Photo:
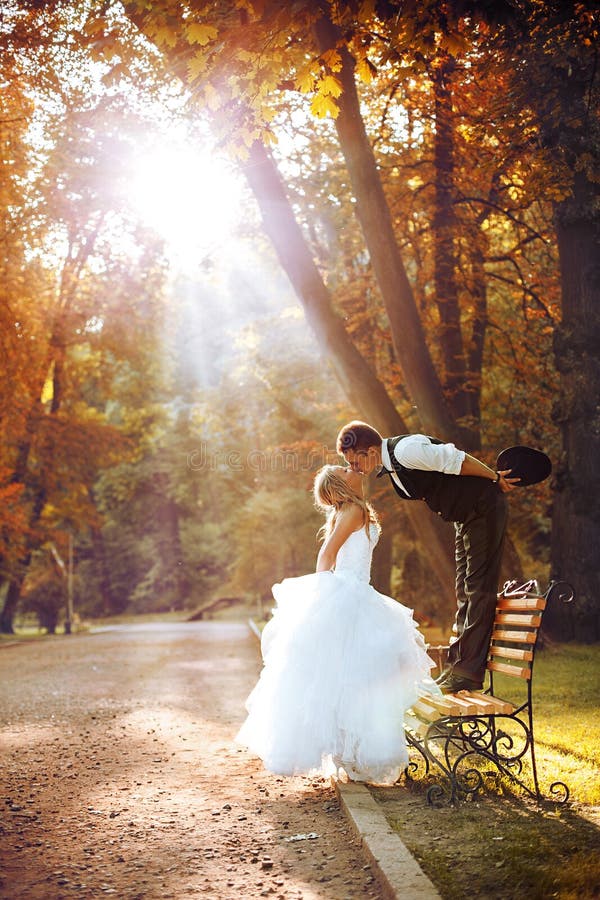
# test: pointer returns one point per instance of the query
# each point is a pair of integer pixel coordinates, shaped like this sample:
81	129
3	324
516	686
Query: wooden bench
455	733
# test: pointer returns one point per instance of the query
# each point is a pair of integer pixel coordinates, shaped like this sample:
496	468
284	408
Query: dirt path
119	776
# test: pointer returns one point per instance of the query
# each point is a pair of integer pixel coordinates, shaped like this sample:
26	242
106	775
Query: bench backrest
516	626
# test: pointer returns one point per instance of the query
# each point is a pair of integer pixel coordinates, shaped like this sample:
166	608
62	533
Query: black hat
531	466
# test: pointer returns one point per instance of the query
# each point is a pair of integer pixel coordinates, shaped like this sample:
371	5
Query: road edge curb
397	871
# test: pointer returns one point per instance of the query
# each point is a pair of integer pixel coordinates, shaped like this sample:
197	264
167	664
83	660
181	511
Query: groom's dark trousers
479	511
479	543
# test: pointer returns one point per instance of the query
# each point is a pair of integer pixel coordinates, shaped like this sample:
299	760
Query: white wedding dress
342	663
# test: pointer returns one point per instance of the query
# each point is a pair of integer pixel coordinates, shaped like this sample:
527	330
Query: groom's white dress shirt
416	451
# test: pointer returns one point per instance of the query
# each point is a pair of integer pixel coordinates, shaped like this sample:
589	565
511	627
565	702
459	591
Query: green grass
566	687
566	690
501	844
507	850
23	634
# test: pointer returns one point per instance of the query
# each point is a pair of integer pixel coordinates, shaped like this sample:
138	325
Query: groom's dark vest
453	497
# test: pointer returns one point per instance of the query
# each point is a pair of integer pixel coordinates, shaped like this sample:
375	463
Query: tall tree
563	88
359	382
241	60
374	216
73	208
548	51
333	56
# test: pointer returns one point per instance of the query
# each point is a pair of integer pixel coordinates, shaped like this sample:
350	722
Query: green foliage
566	684
275	539
84	303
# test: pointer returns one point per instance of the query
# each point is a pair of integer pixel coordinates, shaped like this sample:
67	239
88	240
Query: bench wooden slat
490	705
511	652
515	637
448	705
467	703
426	710
507	669
442	704
521	603
463	706
532	620
415	725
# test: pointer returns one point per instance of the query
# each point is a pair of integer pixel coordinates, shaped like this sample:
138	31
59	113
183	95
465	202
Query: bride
342	662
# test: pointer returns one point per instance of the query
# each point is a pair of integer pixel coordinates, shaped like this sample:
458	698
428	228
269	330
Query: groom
460	489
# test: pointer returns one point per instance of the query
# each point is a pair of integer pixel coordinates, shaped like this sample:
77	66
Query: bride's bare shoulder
352	517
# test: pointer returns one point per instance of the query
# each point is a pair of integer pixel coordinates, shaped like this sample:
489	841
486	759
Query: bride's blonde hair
332	492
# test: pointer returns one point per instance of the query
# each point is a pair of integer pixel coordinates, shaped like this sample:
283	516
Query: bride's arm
350	519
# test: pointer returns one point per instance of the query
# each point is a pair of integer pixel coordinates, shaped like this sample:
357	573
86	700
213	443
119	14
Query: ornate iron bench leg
451	732
451	745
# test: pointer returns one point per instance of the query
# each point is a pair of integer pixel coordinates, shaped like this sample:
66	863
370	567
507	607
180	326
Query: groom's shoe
454	683
444	675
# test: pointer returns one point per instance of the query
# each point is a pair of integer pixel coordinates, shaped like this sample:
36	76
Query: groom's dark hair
357	436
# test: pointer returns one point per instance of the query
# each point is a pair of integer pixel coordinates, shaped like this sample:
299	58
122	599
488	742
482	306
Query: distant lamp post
69	618
67	573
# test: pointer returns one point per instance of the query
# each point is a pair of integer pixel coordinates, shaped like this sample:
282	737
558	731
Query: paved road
119	776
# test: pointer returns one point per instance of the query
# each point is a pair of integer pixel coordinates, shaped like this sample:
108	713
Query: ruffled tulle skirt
342	663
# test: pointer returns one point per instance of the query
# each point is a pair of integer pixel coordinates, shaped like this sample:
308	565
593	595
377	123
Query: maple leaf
268	137
455	44
322	105
330	85
165	37
246	135
239	152
196	66
305	80
365	70
201	34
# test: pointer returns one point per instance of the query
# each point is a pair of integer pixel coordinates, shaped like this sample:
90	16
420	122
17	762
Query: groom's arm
418	452
472	466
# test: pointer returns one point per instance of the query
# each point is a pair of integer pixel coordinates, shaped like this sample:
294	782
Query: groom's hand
505	483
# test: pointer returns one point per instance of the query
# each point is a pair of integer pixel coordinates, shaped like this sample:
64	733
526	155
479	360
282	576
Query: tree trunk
55	356
361	386
457	387
476	342
110	603
11	599
170	539
568	115
15	585
375	219
35	417
576	508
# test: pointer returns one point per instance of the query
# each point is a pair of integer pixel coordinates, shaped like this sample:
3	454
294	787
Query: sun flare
188	196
